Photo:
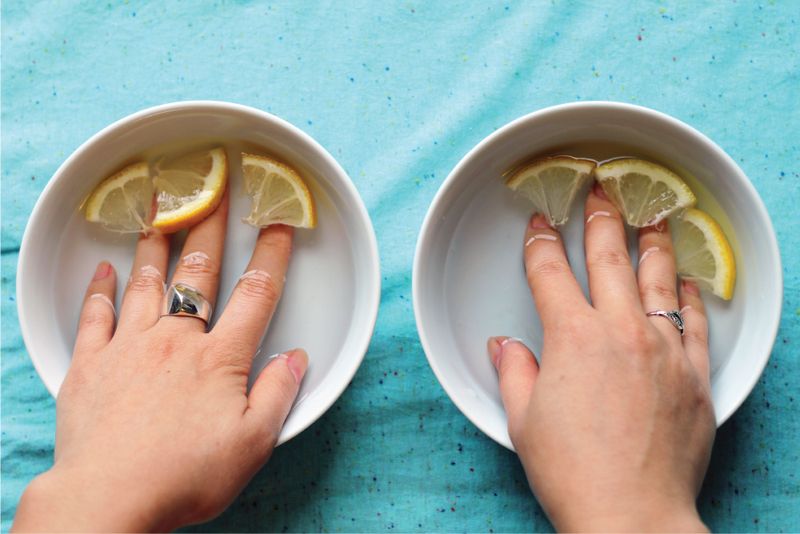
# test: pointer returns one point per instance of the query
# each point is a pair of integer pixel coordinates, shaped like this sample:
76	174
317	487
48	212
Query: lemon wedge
551	184
189	188
123	202
703	254
278	194
644	192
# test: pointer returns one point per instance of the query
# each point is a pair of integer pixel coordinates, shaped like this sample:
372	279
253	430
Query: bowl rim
509	129
373	283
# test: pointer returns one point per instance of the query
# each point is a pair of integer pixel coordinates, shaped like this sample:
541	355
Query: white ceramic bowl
469	283
331	299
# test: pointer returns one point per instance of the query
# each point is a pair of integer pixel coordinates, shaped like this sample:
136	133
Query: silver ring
674	317
182	300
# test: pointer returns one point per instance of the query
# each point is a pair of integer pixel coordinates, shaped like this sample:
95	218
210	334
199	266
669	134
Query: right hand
615	427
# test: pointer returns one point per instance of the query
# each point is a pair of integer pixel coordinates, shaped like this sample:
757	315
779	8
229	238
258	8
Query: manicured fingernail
598	190
103	270
691	288
539	221
296	363
496	350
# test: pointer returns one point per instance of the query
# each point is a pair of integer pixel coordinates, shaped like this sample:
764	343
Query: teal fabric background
398	92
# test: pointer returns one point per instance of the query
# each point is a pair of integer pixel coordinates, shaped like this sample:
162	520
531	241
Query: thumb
517	370
275	390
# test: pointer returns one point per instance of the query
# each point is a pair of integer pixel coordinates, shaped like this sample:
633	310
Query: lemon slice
644	192
189	188
123	202
703	254
551	184
278	194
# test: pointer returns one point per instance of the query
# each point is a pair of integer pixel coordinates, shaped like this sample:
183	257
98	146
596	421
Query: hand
155	427
615	427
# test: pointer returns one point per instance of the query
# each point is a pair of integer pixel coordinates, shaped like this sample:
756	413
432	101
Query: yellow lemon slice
278	194
703	254
551	184
123	202
644	192
189	188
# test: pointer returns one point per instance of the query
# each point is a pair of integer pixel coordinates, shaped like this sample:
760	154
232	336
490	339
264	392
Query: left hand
155	426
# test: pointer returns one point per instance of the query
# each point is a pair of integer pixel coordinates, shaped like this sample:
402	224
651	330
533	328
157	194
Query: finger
612	283
274	392
695	336
517	371
255	297
201	261
145	290
554	288
96	324
657	277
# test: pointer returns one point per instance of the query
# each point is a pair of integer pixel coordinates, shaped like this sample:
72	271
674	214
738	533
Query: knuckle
93	317
642	338
146	282
205	268
605	258
260	288
659	288
697	336
548	267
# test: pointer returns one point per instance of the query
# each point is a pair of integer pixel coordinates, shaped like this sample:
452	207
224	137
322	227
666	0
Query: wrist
638	515
61	500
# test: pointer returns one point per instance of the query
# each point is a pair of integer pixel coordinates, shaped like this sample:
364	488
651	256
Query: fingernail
691	288
496	350
103	270
598	190
539	221
296	364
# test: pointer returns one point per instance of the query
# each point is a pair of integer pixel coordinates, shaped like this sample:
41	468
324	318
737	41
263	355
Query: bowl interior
330	301
469	280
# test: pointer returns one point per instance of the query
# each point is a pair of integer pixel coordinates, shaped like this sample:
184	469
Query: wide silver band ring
182	300
674	317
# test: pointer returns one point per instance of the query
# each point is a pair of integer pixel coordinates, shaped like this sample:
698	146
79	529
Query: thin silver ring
674	317
182	300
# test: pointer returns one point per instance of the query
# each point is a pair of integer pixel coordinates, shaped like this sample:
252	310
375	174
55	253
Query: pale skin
614	428
155	426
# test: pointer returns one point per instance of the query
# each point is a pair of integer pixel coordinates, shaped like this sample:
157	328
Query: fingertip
103	270
539	221
494	348
598	191
690	296
297	361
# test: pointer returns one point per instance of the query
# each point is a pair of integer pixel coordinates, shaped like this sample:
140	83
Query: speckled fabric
398	92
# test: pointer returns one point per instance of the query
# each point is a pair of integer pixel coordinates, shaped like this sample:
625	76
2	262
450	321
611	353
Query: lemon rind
615	169
115	181
719	246
301	189
212	191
